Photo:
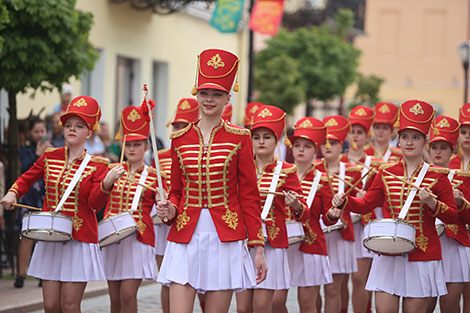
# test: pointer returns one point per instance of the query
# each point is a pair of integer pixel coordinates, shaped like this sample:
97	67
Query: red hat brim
64	117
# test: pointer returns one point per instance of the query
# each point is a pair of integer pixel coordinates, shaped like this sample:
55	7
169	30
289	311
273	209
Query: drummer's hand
8	200
165	210
260	264
291	199
113	175
334	213
458	195
425	196
338	199
361	193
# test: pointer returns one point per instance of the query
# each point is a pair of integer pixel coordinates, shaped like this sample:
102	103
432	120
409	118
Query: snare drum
326	229
295	232
440	227
47	226
115	228
389	236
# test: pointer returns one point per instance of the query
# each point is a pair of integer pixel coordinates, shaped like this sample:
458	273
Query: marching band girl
65	268
455	241
273	177
213	201
132	259
417	276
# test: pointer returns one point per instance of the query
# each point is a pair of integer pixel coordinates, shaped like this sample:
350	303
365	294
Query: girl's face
358	135
76	131
303	150
464	137
382	132
38	131
332	153
212	102
440	152
135	150
412	143
264	142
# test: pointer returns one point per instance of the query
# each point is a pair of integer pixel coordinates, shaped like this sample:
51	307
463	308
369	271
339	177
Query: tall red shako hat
227	113
415	114
444	128
187	111
337	128
309	128
85	108
134	124
250	110
361	115
216	69
385	113
270	117
464	114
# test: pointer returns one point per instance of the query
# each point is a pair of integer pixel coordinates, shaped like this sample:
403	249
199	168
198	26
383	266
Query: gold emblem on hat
361	112
185	105
444	123
331	122
384	109
254	109
417	109
216	62
306	124
265	112
134	116
80	103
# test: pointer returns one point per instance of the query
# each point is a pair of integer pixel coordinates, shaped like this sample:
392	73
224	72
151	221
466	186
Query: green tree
325	61
45	43
368	88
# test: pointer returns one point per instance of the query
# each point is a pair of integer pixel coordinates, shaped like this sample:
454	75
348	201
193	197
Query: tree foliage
325	63
45	43
368	89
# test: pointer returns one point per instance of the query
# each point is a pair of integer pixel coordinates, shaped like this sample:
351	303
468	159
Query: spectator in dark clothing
56	137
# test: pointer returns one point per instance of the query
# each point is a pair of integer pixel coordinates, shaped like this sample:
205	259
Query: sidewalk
29	298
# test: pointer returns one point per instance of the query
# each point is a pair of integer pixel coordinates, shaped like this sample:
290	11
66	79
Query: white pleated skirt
397	276
341	253
129	259
278	277
455	260
161	234
206	263
308	269
361	251
72	261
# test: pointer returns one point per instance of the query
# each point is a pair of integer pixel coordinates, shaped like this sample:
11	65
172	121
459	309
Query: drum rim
45	231
398	221
110	235
332	228
114	216
48	213
367	239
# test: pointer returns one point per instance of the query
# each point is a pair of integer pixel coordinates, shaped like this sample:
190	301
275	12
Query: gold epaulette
438	169
386	165
353	169
99	159
114	165
288	170
396	150
181	132
462	173
51	149
161	151
237	130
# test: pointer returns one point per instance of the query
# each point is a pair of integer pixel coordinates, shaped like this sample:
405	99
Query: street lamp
464	52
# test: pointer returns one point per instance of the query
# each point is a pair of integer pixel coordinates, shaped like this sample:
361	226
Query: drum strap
342	175
412	194
138	192
74	181
272	188
313	189
451	174
365	169
387	154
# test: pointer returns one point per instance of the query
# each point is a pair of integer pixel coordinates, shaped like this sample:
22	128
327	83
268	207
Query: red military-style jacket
164	157
352	174
87	196
123	194
392	193
315	242
456	162
395	155
276	220
221	177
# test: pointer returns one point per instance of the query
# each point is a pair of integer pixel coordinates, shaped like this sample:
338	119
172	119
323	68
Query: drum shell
389	236
115	228
47	226
326	229
295	232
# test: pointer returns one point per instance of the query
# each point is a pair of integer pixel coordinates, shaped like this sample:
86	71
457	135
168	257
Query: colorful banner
266	16
226	15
